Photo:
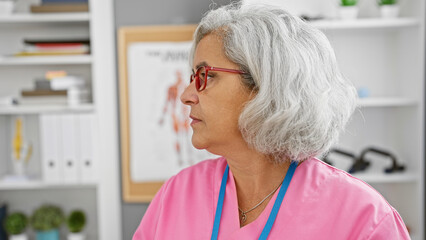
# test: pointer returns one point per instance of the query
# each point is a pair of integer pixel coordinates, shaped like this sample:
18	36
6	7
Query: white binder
50	148
87	132
70	150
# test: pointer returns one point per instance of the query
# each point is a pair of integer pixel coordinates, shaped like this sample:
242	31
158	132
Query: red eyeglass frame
196	76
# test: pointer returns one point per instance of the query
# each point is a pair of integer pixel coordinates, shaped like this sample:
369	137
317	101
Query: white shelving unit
386	57
100	198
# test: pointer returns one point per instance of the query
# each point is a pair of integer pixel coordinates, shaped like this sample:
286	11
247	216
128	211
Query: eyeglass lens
199	78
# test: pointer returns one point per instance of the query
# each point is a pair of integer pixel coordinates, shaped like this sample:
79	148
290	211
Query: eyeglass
201	75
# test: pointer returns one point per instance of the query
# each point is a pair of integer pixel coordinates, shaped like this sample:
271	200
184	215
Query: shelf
386	102
45	17
46	60
387	178
366	23
37	109
38	184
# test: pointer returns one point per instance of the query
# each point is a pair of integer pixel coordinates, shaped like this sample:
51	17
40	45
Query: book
41	93
60	83
44	100
56	41
56	45
52	47
60	7
53	74
30	54
63	1
32	97
57	48
42	84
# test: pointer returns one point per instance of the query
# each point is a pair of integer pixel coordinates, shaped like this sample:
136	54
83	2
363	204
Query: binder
87	132
69	157
50	148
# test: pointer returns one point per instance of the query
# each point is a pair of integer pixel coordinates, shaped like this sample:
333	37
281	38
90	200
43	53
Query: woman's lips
194	120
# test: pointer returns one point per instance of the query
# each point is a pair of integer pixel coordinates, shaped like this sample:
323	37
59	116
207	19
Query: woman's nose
189	95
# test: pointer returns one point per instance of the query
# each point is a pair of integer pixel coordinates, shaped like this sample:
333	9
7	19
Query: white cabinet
387	58
100	198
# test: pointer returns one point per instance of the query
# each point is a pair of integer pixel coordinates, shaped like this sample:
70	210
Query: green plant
387	2
15	223
76	221
47	217
347	3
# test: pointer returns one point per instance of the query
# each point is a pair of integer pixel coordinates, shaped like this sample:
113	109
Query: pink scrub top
322	202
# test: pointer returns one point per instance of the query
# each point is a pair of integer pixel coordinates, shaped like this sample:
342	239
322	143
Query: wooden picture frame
139	191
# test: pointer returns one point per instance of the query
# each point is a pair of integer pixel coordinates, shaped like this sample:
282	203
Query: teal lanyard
274	211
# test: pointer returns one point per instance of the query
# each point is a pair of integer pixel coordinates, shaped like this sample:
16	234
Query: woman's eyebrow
201	64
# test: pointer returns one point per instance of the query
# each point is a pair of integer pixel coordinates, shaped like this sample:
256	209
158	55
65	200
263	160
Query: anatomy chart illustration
180	121
160	134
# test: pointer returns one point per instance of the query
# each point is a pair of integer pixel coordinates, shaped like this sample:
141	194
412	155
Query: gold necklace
244	213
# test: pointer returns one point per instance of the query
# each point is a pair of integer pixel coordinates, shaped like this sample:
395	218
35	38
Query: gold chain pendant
243	217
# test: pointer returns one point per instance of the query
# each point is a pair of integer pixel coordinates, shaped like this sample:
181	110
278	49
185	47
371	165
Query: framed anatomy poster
154	124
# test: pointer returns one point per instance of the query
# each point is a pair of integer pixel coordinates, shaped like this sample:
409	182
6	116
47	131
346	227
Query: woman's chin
200	145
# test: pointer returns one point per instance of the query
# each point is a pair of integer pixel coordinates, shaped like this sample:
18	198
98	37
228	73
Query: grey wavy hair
302	100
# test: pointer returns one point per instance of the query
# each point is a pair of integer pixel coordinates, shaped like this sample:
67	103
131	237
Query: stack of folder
47	47
55	89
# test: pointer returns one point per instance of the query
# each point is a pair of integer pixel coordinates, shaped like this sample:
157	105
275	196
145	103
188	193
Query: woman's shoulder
341	196
342	184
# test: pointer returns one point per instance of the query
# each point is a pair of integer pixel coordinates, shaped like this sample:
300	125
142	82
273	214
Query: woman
267	95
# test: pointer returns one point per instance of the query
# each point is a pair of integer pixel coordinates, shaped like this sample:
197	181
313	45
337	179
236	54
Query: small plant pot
48	235
76	236
21	236
7	7
348	12
389	11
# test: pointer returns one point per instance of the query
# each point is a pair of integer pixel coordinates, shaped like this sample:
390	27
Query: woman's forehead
209	52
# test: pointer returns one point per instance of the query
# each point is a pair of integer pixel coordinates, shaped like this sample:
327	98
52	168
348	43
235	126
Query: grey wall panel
155	12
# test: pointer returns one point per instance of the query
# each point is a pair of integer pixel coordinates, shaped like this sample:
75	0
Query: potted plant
348	9
76	221
15	225
389	8
46	220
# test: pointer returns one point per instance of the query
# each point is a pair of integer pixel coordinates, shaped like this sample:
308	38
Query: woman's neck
255	177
